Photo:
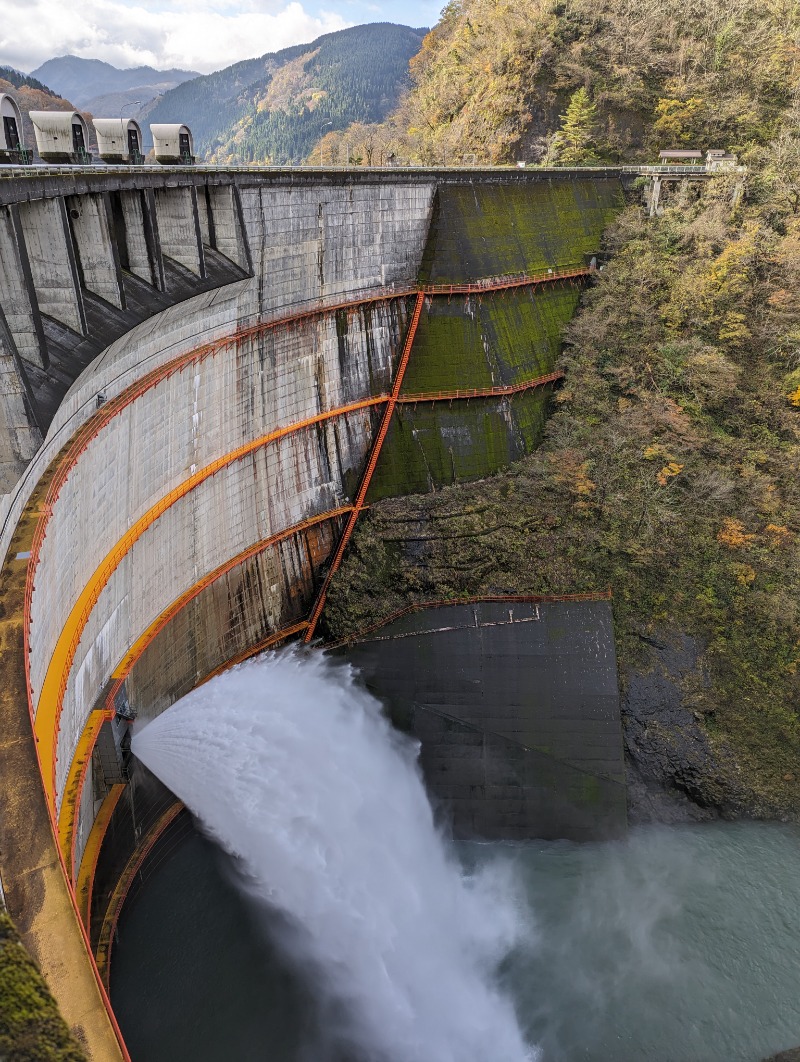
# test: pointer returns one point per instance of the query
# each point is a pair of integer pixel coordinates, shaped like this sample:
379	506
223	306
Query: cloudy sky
199	35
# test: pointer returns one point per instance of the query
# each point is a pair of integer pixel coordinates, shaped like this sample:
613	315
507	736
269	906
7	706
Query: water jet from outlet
294	770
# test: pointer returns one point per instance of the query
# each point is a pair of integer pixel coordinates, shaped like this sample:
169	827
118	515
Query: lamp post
123	129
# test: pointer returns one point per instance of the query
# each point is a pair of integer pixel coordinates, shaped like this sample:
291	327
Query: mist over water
294	771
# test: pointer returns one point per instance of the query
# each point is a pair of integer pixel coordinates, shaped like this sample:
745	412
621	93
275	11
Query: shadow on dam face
516	708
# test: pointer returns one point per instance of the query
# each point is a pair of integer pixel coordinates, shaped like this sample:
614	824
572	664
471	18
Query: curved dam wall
204	379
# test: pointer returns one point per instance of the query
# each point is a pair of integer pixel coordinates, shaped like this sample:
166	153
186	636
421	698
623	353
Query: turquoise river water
679	944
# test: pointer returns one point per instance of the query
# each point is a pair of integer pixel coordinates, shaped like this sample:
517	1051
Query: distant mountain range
103	89
271	109
275	108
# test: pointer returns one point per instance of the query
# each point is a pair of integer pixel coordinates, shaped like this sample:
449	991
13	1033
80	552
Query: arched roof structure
167	142
113	137
60	135
10	109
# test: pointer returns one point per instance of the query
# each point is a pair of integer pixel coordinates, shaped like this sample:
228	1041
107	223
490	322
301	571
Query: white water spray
294	770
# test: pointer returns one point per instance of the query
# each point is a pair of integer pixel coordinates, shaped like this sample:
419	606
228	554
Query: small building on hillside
173	145
720	159
12	146
680	157
61	136
119	140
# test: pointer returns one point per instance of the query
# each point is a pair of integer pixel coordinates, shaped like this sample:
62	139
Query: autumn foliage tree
494	78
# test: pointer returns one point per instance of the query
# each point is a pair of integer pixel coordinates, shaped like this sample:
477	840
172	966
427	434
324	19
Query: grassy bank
31	1028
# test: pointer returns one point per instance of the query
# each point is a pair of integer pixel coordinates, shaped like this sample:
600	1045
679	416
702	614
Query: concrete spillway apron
38	896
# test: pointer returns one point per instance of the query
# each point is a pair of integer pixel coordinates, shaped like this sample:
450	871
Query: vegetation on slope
274	108
494	78
31	1029
18	80
31	95
669	472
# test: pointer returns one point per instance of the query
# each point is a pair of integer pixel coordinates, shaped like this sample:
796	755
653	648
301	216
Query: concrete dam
207	376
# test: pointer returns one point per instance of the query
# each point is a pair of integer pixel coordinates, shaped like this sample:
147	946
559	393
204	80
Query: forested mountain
275	108
17	79
495	78
83	80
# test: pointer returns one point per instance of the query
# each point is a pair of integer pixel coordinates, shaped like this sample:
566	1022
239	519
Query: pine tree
575	142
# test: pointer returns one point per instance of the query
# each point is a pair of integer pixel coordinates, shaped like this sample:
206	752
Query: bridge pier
655	196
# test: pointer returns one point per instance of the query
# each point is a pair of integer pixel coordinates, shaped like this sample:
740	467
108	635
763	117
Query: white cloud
199	35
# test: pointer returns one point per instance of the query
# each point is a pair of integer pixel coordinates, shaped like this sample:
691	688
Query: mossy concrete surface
431	445
485	230
496	339
492	340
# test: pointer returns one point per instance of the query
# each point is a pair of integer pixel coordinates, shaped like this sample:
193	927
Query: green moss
31	1029
430	445
497	339
503	338
485	230
591	792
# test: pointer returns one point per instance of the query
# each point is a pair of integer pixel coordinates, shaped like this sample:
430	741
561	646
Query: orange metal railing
420	606
91	853
501	283
488	392
373	460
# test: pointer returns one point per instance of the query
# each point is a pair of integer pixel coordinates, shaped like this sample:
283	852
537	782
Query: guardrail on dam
198	368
